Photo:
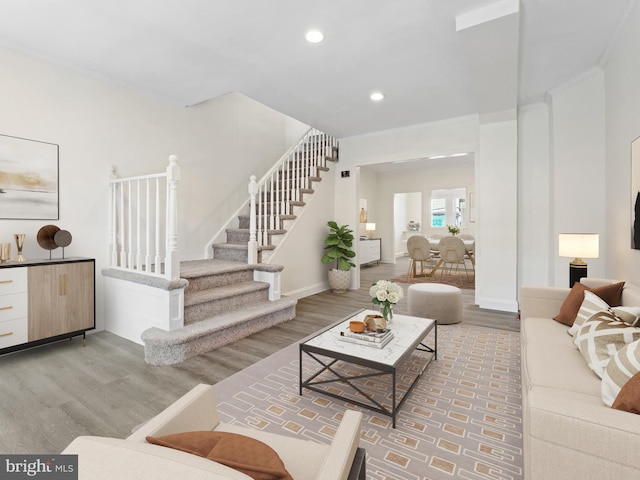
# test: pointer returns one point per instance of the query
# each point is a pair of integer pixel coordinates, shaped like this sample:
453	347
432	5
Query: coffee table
326	348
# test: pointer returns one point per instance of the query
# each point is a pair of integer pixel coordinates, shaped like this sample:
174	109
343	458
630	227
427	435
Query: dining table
469	246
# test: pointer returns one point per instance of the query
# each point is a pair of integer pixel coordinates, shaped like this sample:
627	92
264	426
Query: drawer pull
6	308
6	334
6	281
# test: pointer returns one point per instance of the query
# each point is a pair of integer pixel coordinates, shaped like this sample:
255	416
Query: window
448	207
438	206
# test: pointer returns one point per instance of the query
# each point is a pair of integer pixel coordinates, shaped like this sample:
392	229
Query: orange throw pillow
569	309
242	453
628	399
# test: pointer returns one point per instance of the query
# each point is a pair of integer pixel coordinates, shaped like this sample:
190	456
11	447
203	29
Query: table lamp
578	246
370	228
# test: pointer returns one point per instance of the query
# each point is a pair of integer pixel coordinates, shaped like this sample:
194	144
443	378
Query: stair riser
195	313
219	280
285	223
237	237
231	255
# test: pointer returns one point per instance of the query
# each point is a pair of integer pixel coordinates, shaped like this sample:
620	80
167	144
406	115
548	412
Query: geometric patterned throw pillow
624	365
629	315
591	305
600	338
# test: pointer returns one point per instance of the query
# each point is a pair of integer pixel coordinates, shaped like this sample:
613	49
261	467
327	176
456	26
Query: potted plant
453	229
337	247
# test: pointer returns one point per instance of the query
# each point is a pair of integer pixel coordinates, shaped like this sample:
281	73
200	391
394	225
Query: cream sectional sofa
109	458
568	431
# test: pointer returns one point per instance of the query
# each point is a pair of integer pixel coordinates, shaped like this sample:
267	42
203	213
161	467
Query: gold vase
5	252
19	244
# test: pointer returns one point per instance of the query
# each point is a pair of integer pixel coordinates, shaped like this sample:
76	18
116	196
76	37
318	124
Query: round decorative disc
45	237
62	238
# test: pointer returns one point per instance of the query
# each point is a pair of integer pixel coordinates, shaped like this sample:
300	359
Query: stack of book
370	339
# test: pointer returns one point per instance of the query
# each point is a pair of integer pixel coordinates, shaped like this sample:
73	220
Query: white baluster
158	259
147	257
138	265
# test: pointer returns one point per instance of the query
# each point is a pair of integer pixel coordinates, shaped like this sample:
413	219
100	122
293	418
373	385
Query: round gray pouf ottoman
435	300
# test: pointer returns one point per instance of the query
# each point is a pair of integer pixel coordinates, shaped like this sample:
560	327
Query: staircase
222	303
225	298
299	173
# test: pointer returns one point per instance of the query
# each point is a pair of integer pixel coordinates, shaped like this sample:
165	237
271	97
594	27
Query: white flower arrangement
387	294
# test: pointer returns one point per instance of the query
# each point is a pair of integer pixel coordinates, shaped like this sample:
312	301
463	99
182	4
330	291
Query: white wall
220	143
577	153
535	240
496	191
622	127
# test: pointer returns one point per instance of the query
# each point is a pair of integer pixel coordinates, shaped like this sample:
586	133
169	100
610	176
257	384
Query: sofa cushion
549	359
569	310
628	400
591	305
624	365
101	458
600	337
245	454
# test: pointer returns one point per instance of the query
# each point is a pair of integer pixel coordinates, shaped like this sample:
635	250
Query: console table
370	250
43	301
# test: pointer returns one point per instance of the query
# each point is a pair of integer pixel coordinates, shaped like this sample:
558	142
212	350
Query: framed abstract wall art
28	179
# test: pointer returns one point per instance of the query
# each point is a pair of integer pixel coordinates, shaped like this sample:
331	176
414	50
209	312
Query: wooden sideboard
44	301
370	250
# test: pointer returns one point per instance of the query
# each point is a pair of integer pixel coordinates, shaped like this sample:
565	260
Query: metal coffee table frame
332	356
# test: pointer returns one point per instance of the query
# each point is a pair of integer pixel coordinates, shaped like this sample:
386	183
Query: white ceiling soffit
490	39
190	51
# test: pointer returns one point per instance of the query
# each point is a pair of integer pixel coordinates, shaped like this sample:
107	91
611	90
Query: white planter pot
339	280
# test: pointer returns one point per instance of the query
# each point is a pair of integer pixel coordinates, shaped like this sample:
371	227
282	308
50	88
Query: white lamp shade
579	245
370	227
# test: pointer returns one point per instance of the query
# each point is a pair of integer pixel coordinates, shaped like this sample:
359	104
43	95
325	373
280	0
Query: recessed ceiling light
314	36
376	96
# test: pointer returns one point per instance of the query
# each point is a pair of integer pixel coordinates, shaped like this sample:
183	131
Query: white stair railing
275	194
143	222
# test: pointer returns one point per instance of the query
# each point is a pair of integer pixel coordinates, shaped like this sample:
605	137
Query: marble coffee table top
408	332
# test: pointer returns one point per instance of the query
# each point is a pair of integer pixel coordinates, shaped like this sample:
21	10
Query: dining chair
452	253
419	250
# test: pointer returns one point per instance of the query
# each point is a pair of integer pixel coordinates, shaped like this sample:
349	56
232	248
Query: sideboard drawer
13	332
13	280
13	306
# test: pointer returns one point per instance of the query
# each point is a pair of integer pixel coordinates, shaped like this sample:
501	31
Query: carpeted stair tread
240	247
200	268
169	348
219	293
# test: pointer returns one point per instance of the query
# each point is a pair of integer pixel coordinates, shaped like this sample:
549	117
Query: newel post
253	243
172	262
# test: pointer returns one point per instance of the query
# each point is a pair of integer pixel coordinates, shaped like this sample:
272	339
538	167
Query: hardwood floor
51	394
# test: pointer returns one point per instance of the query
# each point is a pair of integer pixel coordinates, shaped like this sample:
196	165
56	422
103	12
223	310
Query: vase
386	310
19	244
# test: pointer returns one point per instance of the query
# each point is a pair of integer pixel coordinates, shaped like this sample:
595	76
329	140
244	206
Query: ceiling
433	59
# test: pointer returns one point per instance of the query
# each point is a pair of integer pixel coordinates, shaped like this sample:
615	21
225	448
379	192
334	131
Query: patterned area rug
457	279
462	420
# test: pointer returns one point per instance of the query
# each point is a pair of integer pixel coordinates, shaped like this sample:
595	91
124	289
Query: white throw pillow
591	305
628	315
624	365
